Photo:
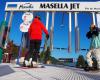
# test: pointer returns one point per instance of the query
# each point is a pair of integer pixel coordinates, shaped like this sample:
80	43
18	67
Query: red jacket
35	30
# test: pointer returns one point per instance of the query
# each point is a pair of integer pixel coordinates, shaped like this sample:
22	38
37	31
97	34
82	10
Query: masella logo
26	6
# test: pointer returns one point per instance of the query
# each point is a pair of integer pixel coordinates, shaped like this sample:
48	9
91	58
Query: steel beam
9	26
69	33
3	29
51	31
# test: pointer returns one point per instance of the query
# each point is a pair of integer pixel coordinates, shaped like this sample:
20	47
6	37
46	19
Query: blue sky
60	33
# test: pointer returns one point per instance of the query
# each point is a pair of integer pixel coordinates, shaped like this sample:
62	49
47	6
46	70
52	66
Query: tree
54	60
42	56
80	62
15	51
12	49
47	55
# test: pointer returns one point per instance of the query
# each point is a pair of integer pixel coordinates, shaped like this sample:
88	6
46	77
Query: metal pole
98	19
77	41
69	33
9	25
5	18
47	21
76	25
51	31
93	18
20	49
3	28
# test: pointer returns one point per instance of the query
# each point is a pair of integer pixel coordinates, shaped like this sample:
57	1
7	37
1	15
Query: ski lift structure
68	7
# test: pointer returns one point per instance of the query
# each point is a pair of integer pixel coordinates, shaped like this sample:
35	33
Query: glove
47	36
89	35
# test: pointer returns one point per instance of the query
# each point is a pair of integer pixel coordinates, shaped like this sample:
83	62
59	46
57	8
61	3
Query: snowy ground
9	72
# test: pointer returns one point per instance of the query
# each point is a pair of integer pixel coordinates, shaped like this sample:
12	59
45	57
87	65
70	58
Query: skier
35	36
94	35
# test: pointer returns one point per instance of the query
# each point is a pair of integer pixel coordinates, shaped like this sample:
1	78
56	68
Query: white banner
24	27
98	20
52	6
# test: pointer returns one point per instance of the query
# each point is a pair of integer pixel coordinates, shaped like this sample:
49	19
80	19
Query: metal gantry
75	9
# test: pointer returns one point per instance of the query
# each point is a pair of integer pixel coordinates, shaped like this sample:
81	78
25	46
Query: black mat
5	70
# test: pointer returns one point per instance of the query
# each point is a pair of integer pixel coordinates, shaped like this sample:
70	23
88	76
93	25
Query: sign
24	27
27	17
53	6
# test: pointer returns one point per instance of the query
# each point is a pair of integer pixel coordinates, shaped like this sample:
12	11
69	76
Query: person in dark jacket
35	36
93	34
94	51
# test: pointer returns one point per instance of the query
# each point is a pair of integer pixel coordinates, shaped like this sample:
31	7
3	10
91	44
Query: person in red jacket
35	36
